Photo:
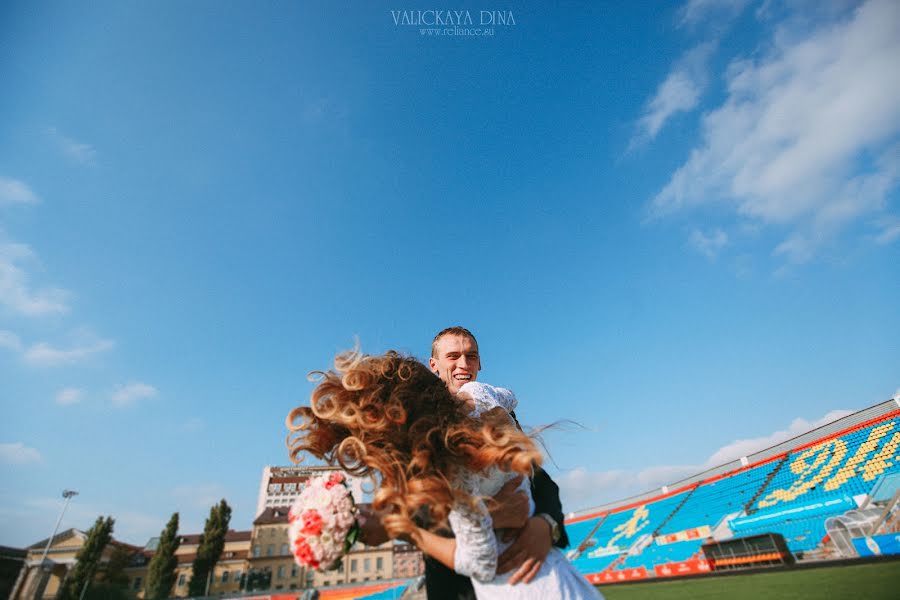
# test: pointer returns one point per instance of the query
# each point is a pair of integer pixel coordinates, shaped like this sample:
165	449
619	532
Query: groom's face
456	360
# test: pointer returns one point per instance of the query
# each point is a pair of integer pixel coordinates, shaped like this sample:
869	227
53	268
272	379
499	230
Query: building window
285	550
367	565
137	583
379	563
353	567
270	550
293	569
224	576
255	551
280	571
181	580
237	575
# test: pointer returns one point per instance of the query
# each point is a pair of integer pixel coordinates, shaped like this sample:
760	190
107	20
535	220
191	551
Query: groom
455	359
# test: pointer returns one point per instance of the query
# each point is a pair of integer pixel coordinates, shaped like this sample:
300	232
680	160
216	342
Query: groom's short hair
455	330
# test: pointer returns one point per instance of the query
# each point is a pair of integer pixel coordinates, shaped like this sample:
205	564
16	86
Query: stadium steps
748	508
585	543
674	512
721	530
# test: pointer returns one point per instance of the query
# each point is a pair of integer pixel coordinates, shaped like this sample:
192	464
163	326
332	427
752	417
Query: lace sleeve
488	396
476	545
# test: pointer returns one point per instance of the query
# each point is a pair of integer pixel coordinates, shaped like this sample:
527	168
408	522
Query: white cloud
804	138
18	453
13	191
890	230
67	396
15	291
708	245
130	393
44	355
580	488
79	152
679	92
745	447
10	341
695	11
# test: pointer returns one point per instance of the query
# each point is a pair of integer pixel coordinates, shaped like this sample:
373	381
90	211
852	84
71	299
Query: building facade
280	486
226	575
270	552
34	582
361	564
408	561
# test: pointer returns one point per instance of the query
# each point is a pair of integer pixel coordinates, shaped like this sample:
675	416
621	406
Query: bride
436	457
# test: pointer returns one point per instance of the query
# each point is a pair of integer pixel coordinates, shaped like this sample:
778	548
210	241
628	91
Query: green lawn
863	582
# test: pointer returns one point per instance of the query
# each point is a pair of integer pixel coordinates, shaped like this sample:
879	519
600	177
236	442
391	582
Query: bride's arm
476	546
439	548
509	509
473	552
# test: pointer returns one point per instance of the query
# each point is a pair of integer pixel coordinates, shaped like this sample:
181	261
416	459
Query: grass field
879	581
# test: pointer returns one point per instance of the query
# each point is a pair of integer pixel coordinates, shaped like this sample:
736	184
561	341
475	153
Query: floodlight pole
67	494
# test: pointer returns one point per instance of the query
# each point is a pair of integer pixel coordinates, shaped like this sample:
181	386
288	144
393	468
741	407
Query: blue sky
676	225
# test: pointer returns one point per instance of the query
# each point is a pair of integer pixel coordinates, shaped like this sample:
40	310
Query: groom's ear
432	364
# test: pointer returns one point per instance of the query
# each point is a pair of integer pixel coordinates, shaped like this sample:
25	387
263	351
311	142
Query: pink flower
304	553
312	523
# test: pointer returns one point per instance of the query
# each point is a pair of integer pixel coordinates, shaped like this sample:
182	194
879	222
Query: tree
212	542
114	574
88	558
161	572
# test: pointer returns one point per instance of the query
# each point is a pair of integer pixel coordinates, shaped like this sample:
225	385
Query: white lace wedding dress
478	546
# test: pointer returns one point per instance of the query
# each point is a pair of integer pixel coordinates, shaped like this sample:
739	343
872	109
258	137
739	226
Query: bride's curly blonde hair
389	415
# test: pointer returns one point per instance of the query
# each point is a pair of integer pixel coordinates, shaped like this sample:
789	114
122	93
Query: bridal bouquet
323	522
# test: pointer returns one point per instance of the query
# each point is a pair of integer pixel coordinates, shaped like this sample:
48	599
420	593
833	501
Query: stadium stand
655	554
392	593
792	489
388	590
715	499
